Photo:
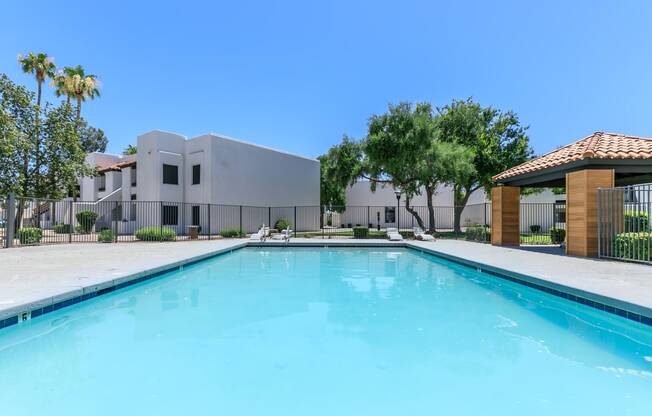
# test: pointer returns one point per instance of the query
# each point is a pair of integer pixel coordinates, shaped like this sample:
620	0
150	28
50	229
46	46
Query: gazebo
601	160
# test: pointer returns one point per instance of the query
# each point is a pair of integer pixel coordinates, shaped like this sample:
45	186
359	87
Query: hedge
86	220
106	236
30	235
282	224
231	232
61	228
478	233
633	246
360	232
636	221
535	229
156	234
557	235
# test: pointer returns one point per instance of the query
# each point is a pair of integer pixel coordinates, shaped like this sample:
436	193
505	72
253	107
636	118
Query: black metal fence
39	221
624	229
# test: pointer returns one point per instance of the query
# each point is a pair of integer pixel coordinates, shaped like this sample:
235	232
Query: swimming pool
324	331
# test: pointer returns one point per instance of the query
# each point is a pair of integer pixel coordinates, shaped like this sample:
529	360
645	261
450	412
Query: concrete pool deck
34	277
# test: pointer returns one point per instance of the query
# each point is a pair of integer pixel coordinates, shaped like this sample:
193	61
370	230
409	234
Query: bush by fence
30	235
557	235
636	221
633	246
478	233
156	234
360	232
231	232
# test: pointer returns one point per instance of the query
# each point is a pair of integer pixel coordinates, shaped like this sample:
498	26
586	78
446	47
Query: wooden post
505	216
581	209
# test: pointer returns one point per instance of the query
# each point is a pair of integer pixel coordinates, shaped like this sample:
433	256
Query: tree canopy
55	143
497	140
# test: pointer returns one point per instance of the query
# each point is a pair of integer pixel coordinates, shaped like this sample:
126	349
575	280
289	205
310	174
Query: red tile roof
599	145
118	166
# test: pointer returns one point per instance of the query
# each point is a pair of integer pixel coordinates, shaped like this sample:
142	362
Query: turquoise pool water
311	331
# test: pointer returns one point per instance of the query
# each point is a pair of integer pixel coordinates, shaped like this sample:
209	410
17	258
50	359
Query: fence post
160	217
269	217
209	222
11	219
240	219
295	220
115	223
70	228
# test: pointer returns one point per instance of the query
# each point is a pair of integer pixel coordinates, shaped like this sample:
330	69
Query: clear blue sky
298	75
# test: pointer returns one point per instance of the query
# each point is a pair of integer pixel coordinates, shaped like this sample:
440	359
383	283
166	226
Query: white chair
393	234
258	236
419	234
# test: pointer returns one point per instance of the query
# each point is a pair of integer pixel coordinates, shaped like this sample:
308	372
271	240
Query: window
390	215
170	174
101	182
170	215
195	215
133	176
196	174
133	197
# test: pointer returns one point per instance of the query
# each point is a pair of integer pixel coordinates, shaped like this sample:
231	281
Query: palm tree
74	83
41	66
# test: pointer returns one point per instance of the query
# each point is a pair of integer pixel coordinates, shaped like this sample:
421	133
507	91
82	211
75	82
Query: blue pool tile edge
564	292
124	282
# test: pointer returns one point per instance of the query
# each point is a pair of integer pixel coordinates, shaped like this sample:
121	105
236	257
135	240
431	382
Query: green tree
130	150
339	169
92	139
73	82
55	143
41	66
496	138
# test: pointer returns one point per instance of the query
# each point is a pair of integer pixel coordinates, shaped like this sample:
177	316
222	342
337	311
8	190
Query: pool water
326	331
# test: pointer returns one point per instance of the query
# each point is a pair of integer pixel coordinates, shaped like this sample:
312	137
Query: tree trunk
460	198
414	213
431	209
78	109
38	94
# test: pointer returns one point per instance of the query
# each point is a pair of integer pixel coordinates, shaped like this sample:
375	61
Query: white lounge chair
258	236
283	235
419	234
393	234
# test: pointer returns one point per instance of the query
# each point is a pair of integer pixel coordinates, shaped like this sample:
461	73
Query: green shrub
360	232
30	235
557	235
86	220
106	236
633	246
156	234
282	224
478	233
535	229
407	234
636	221
231	232
61	228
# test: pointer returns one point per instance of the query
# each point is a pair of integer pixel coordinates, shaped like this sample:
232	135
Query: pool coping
631	311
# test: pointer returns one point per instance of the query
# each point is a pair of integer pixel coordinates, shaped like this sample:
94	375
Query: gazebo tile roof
599	145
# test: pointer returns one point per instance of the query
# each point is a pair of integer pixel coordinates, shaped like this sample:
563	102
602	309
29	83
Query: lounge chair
283	235
393	234
419	234
259	235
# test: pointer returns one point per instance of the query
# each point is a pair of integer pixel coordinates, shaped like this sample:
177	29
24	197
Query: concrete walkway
33	277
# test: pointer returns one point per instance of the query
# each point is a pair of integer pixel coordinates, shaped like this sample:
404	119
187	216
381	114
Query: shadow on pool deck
557	250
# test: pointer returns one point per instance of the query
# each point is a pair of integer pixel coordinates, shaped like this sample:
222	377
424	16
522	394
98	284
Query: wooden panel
581	209
505	207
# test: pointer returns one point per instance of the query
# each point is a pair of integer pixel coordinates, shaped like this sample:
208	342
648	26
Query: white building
172	179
